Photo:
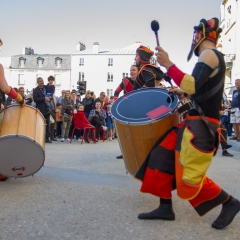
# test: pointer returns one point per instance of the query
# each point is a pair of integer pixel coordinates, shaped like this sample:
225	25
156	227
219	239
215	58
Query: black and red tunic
126	85
147	76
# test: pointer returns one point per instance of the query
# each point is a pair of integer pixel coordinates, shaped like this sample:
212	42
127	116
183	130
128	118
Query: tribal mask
207	29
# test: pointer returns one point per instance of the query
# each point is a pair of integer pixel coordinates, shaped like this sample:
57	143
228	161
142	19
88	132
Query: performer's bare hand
162	57
178	91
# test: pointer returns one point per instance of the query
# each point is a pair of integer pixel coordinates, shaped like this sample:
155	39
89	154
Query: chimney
80	46
28	51
95	48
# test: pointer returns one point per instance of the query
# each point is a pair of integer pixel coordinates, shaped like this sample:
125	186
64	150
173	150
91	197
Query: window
110	62
57	79
58	62
125	75
229	9
22	62
40	62
81	76
109	92
81	62
21	80
110	77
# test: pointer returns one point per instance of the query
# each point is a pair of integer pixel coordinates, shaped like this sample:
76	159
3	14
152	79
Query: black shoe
228	146
86	140
48	141
4	179
164	212
226	153
119	157
229	211
233	138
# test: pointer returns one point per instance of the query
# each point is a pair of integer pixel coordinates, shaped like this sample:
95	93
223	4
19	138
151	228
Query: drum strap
192	104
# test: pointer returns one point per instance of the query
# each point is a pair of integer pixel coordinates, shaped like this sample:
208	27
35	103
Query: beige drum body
22	139
136	141
141	117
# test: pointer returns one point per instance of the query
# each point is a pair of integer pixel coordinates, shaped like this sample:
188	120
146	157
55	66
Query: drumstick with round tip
155	27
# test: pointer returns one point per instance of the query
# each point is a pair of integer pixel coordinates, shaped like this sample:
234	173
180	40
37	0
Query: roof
41	55
129	50
48	61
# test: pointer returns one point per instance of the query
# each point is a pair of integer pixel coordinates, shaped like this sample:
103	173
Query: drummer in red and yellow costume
127	83
180	159
5	89
149	75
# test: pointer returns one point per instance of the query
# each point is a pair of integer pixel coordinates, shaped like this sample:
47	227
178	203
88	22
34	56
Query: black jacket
39	98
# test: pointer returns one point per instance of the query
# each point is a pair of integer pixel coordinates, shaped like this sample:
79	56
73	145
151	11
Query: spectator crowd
62	112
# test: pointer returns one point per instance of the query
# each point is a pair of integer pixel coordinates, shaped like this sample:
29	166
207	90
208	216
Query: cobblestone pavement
83	192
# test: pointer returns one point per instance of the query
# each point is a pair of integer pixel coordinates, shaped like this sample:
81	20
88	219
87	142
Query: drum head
20	156
144	105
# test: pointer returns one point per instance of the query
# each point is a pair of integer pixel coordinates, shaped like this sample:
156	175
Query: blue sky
54	26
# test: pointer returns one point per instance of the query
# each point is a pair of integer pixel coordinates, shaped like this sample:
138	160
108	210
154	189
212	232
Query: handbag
67	117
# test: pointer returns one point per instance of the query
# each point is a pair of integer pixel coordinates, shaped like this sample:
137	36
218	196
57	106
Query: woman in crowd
67	110
88	102
97	118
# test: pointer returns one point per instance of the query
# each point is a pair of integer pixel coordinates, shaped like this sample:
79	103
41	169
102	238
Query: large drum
141	117
22	139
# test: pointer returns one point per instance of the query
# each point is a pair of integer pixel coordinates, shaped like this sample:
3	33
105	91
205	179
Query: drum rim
31	139
147	121
17	105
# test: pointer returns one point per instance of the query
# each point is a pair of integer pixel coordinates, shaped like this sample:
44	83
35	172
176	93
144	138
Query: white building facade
229	42
102	69
24	70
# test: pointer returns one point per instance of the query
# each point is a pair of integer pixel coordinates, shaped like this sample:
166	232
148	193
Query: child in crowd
114	135
111	100
50	89
81	121
59	119
109	122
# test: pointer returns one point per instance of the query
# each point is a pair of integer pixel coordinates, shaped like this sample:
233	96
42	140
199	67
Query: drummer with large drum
6	89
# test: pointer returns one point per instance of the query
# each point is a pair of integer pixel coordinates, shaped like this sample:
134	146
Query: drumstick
155	27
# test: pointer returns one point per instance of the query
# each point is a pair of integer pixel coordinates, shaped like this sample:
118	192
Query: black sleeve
36	97
145	78
201	73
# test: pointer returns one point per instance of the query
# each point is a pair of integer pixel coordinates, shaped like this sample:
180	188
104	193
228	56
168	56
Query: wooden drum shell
136	141
23	128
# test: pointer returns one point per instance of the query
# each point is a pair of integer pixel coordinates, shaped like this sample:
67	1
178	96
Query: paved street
83	192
